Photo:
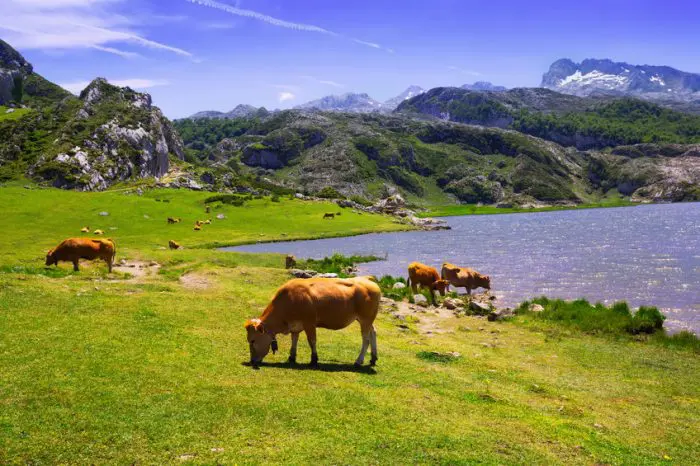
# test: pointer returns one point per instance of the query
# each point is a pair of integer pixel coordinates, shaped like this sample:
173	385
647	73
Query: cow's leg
366	338
373	342
469	290
310	331
109	265
293	351
75	265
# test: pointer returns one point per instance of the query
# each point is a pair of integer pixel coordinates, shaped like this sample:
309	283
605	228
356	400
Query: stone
479	308
452	303
420	300
299	196
327	275
104	214
220	216
534	307
298	273
500	314
399	285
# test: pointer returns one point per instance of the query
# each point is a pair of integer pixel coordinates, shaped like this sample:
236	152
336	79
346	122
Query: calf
426	277
465	277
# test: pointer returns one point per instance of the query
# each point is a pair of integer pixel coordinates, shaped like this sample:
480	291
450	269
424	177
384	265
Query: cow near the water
328	215
426	277
307	304
74	249
465	277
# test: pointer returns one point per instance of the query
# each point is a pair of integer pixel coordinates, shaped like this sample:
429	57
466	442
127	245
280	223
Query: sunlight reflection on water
646	255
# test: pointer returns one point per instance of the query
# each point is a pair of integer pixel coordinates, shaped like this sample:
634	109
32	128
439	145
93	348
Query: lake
645	255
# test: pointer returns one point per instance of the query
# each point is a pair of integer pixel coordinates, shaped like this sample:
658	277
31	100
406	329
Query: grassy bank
99	368
474	209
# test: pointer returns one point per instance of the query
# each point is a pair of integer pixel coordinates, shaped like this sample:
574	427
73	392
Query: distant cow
465	277
307	304
85	230
208	209
328	215
207	221
426	277
174	219
74	249
197	227
99	232
172	244
290	261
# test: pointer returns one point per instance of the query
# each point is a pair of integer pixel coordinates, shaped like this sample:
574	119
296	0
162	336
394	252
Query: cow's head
485	282
259	340
441	286
51	258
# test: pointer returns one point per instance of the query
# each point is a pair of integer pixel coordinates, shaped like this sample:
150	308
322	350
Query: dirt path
139	270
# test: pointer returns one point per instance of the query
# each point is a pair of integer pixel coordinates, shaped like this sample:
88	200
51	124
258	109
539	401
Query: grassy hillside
586	123
125	369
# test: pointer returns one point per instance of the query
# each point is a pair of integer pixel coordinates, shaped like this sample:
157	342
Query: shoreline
473	209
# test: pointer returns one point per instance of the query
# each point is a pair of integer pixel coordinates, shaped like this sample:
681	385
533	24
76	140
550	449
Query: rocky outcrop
13	70
115	135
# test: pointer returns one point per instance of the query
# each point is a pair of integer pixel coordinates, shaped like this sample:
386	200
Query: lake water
645	255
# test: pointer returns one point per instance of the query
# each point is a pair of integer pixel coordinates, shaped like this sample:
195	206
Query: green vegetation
121	368
16	114
337	263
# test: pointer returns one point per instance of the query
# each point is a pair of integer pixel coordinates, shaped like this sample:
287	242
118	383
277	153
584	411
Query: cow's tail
408	282
114	249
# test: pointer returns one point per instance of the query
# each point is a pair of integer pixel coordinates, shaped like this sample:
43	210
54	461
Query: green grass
99	368
16	115
474	209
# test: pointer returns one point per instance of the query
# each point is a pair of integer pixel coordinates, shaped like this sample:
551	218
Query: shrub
362	201
329	193
275	198
337	263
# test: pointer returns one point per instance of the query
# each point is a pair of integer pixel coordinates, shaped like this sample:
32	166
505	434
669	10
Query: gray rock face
13	68
484	86
136	142
350	102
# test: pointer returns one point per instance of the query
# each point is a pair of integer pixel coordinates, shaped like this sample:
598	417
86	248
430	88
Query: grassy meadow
117	368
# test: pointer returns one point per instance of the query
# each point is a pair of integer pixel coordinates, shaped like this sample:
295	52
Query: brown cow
174	219
307	304
290	261
172	244
328	215
465	277
99	232
85	230
74	249
426	277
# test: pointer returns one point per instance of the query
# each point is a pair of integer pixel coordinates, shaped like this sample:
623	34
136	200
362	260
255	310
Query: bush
362	201
329	193
337	263
275	198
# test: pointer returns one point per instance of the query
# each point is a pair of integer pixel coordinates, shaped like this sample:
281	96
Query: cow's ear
260	327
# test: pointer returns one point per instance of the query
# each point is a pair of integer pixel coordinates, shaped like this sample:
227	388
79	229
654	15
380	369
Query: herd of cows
304	304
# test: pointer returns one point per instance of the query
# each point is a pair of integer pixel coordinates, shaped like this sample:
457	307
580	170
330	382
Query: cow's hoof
292	361
358	365
314	365
373	362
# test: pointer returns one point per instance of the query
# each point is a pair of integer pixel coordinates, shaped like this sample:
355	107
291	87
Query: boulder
104	214
480	308
399	285
500	314
345	203
452	303
327	275
420	300
534	307
221	216
298	273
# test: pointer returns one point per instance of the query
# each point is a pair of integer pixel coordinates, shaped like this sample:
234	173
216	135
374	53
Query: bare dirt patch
196	281
139	270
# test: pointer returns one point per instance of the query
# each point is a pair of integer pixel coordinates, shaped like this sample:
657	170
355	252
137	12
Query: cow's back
423	274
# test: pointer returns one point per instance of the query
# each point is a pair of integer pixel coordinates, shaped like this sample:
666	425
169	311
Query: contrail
279	22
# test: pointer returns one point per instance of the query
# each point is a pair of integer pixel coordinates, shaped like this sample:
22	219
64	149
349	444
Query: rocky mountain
372	155
348	102
240	111
483	86
593	76
593	122
411	91
107	135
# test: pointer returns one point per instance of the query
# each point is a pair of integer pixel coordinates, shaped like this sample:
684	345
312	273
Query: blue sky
194	55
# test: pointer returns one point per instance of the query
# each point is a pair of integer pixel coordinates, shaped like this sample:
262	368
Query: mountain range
518	146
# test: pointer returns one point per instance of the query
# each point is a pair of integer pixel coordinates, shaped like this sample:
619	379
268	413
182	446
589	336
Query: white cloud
134	83
284	96
73	24
235	10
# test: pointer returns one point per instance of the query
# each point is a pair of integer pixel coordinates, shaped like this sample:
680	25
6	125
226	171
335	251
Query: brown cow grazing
74	249
85	230
174	219
307	304
465	277
328	215
426	277
197	227
99	232
290	261
172	244
207	221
